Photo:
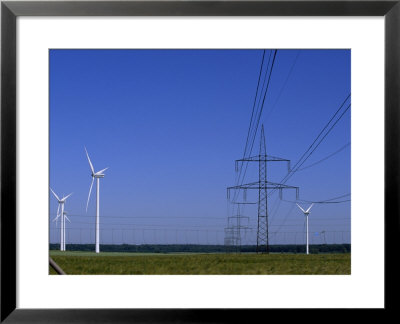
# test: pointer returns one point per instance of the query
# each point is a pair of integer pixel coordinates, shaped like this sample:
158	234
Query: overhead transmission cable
313	147
325	201
319	135
254	112
284	85
325	158
340	117
304	158
255	127
254	105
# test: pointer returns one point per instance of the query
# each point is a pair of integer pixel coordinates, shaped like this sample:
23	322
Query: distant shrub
193	248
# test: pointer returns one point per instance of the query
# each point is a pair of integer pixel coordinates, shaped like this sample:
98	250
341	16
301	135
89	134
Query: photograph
199	161
161	160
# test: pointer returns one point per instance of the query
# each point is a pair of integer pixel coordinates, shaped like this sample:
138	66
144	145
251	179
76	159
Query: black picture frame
10	10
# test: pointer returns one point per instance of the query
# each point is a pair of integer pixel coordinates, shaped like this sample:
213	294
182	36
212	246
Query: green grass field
178	264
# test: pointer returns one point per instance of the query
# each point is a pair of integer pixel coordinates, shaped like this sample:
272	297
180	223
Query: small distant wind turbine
61	214
96	175
65	240
63	228
323	232
306	212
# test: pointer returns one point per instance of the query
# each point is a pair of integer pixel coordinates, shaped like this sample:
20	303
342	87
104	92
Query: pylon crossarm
245	186
262	158
281	185
264	185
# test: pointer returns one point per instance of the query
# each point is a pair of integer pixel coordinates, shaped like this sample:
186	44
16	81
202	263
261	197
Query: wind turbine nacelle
99	175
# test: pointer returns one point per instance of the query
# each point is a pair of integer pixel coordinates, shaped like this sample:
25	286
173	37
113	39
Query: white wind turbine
64	227
306	212
96	175
61	214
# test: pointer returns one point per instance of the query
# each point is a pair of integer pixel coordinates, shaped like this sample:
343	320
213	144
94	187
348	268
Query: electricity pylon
236	225
262	185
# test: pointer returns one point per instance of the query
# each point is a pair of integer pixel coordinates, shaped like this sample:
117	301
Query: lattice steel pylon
262	185
236	225
262	220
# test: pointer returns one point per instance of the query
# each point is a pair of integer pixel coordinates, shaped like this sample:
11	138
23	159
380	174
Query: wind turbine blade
65	198
301	208
55	220
90	190
309	208
101	171
58	215
90	162
54	194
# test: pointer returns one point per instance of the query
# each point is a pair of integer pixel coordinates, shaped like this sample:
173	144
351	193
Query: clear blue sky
169	125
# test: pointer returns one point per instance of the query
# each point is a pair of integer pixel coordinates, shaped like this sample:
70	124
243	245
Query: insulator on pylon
280	193
288	166
245	195
236	166
228	195
297	193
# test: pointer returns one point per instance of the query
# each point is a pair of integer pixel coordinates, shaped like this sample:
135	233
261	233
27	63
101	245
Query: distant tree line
194	248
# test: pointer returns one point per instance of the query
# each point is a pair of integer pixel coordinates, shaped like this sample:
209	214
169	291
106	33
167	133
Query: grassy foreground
179	264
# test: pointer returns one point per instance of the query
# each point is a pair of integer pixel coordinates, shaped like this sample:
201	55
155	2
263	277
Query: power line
325	158
297	166
346	195
254	104
262	105
325	201
286	216
301	161
324	219
311	148
340	117
136	226
158	217
258	121
284	85
326	126
251	120
158	227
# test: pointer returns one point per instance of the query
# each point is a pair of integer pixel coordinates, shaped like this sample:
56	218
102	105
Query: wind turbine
65	218
61	214
63	228
306	212
97	176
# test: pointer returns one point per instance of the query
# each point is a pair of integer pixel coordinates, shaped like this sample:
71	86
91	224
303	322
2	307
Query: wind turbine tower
97	176
306	212
61	213
65	218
